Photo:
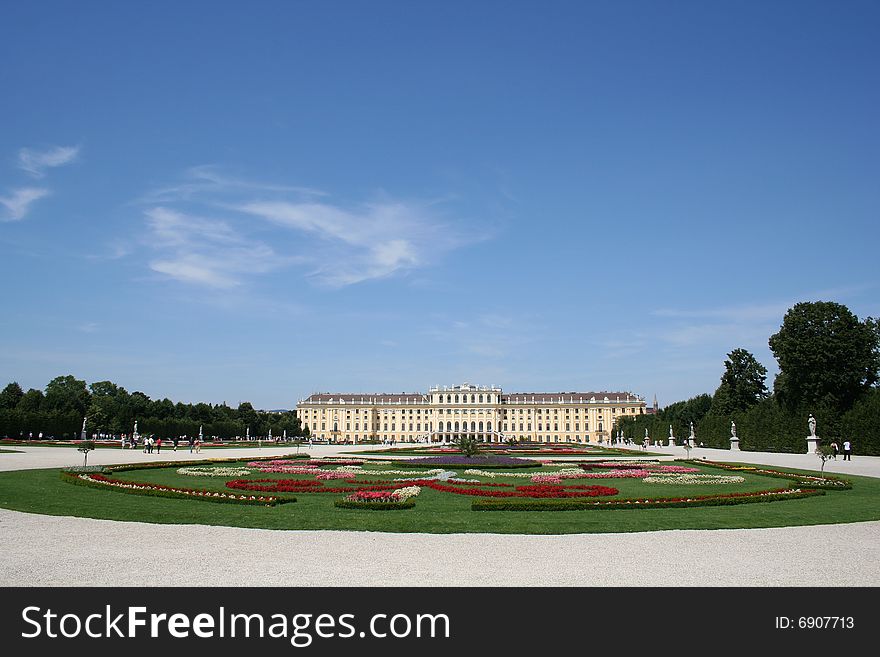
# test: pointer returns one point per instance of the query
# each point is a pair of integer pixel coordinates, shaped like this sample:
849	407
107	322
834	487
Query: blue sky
223	202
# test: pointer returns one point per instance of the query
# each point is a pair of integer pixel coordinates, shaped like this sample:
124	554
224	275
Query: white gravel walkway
38	550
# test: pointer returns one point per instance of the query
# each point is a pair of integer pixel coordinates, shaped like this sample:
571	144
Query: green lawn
42	491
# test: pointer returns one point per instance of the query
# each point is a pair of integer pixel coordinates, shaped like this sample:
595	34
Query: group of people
847	450
150	444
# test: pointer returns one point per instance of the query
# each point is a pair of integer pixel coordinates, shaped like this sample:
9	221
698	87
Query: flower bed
154	490
320	462
400	498
460	461
199	471
536	491
374	506
658	503
692	479
82	469
800	480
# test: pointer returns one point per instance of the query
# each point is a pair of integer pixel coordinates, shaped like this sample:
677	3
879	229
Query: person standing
847	450
835	449
159	445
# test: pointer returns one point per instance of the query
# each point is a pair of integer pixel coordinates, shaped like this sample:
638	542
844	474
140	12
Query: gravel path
38	550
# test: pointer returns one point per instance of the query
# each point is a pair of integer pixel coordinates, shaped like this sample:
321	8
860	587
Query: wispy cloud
17	205
749	312
371	241
336	244
203	251
208	184
36	162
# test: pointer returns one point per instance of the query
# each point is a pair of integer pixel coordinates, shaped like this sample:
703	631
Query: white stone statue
733	429
84	424
670	431
812	424
692	431
646	433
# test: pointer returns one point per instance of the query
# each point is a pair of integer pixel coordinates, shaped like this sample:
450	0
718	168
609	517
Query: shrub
153	490
661	503
374	506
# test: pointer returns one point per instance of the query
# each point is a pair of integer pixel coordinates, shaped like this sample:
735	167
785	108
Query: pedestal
734	444
812	444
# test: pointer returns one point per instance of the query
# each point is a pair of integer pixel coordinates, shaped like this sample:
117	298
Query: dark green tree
67	393
249	417
11	395
826	356
743	384
32	401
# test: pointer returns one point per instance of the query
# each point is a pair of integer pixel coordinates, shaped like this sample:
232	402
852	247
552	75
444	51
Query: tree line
829	365
58	412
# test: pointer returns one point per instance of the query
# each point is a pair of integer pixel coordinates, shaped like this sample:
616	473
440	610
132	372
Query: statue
84	425
670	431
733	429
692	431
646	433
812	424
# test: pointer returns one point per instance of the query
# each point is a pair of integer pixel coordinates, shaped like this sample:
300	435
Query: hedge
374	506
581	505
126	467
177	494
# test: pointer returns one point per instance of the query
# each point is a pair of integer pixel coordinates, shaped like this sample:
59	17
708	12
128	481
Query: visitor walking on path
198	445
835	448
847	450
158	445
191	441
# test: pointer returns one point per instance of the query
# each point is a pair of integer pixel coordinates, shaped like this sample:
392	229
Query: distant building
486	413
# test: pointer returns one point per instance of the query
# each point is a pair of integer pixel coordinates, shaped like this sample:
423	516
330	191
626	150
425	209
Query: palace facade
484	412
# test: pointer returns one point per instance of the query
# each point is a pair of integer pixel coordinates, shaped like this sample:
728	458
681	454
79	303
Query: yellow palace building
484	412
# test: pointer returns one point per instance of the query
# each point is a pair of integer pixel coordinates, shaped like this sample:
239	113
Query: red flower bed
476	488
425	482
319	462
539	491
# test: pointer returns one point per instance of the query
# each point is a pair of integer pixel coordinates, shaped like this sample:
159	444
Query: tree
11	395
248	416
743	384
32	401
66	393
85	447
826	356
468	446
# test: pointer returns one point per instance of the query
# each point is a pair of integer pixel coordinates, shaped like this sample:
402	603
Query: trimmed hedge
84	469
126	467
374	506
174	494
581	505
